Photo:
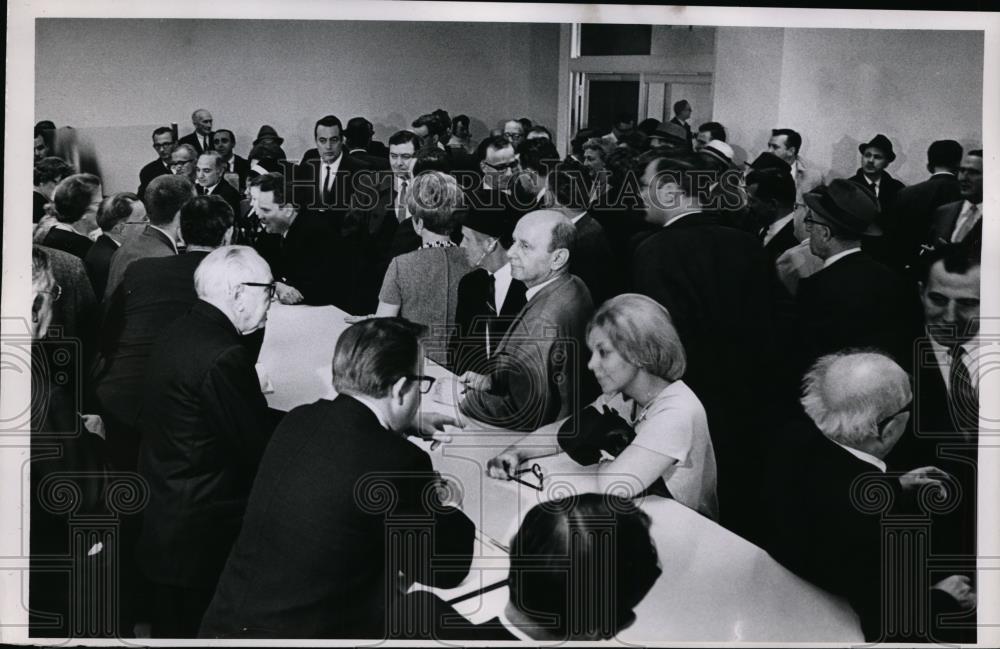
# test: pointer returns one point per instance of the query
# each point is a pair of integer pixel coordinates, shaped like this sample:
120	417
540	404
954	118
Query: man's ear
399	389
560	258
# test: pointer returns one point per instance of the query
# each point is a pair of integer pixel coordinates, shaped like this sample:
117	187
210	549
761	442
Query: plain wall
116	80
840	87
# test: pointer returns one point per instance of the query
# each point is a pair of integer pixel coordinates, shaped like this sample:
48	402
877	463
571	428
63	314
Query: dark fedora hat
879	142
268	131
846	205
768	160
491	222
671	133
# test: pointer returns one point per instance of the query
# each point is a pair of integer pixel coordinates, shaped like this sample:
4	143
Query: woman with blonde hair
638	360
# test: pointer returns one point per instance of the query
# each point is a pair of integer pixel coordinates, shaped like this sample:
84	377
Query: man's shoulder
954	207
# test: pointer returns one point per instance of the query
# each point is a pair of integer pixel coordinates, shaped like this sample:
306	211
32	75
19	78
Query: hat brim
890	156
813	203
279	140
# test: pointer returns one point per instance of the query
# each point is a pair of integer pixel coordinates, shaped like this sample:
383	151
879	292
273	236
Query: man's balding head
543	243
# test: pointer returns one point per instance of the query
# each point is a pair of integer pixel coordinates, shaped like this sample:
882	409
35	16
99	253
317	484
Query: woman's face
613	373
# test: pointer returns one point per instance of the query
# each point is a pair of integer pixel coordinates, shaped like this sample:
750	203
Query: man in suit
963	219
304	250
709	276
163	144
499	165
915	204
324	183
787	145
537	157
204	424
345	511
358	138
76	199
707	132
48	173
682	113
875	157
539	373
119	216
854	300
622	128
224	143
183	161
154	292
201	138
857	406
489	298
165	197
209	180
771	200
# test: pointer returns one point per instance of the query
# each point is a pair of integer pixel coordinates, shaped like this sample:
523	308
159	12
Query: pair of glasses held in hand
535	470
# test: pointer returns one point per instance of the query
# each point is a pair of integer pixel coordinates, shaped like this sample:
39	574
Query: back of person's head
716	129
643	334
436	199
403	137
115	209
51	170
539	132
525	123
848	393
459	119
570	186
793	138
432	122
204	221
959	258
358	132
579	565
538	155
226	267
773	184
432	159
688	171
74	195
622	164
268	155
944	153
373	354
648	125
165	196
443	118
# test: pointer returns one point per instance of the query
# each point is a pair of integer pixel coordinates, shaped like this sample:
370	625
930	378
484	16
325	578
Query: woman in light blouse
638	360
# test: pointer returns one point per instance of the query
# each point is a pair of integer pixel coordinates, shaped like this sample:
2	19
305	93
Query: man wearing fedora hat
875	157
853	300
489	298
266	133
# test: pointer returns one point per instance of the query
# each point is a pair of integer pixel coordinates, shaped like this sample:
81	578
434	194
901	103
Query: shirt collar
775	227
173	242
579	216
503	272
437	244
840	255
65	226
864	457
942	173
680	216
533	291
969	204
335	165
371	406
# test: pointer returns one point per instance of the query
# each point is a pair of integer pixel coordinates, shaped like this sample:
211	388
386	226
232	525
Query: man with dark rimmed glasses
500	163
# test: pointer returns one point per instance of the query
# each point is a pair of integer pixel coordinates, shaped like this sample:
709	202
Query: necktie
874	188
964	400
326	185
963	230
491	304
202	190
401	203
204	143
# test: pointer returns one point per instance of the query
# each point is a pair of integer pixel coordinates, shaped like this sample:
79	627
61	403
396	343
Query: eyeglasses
504	167
271	287
426	382
181	163
811	221
882	422
535	470
513	136
55	292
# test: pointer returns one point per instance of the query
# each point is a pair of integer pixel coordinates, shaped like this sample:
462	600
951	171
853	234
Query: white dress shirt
865	457
971	359
333	168
502	280
533	291
840	255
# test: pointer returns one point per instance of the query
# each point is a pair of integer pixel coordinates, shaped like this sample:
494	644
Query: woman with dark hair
579	566
638	360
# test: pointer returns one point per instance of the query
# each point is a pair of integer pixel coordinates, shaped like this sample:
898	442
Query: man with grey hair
210	180
204	424
539	374
201	138
819	476
183	160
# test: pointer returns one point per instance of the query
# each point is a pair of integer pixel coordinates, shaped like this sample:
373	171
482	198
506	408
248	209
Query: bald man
540	374
201	138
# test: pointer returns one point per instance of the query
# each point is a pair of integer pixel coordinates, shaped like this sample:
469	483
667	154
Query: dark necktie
964	395
491	304
204	143
202	191
401	203
326	185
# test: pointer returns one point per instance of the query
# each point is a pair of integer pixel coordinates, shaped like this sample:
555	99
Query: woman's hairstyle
114	209
436	199
373	354
579	565
643	334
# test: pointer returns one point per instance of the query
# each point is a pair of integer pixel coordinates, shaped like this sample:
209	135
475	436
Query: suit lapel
531	304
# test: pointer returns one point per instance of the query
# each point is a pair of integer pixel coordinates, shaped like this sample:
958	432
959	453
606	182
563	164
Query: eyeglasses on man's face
882	422
271	287
426	382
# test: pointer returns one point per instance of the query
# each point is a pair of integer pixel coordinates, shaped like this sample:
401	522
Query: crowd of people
752	340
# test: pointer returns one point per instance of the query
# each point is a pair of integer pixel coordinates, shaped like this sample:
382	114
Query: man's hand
502	466
94	424
430	426
475	381
287	294
959	587
924	475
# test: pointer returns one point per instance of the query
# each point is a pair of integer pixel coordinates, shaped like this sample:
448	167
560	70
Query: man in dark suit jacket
682	113
323	183
343	503
709	276
47	174
165	197
854	300
303	249
204	424
118	216
163	144
358	137
201	138
857	407
915	204
223	142
539	375
209	180
875	157
76	200
489	298
153	293
962	220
